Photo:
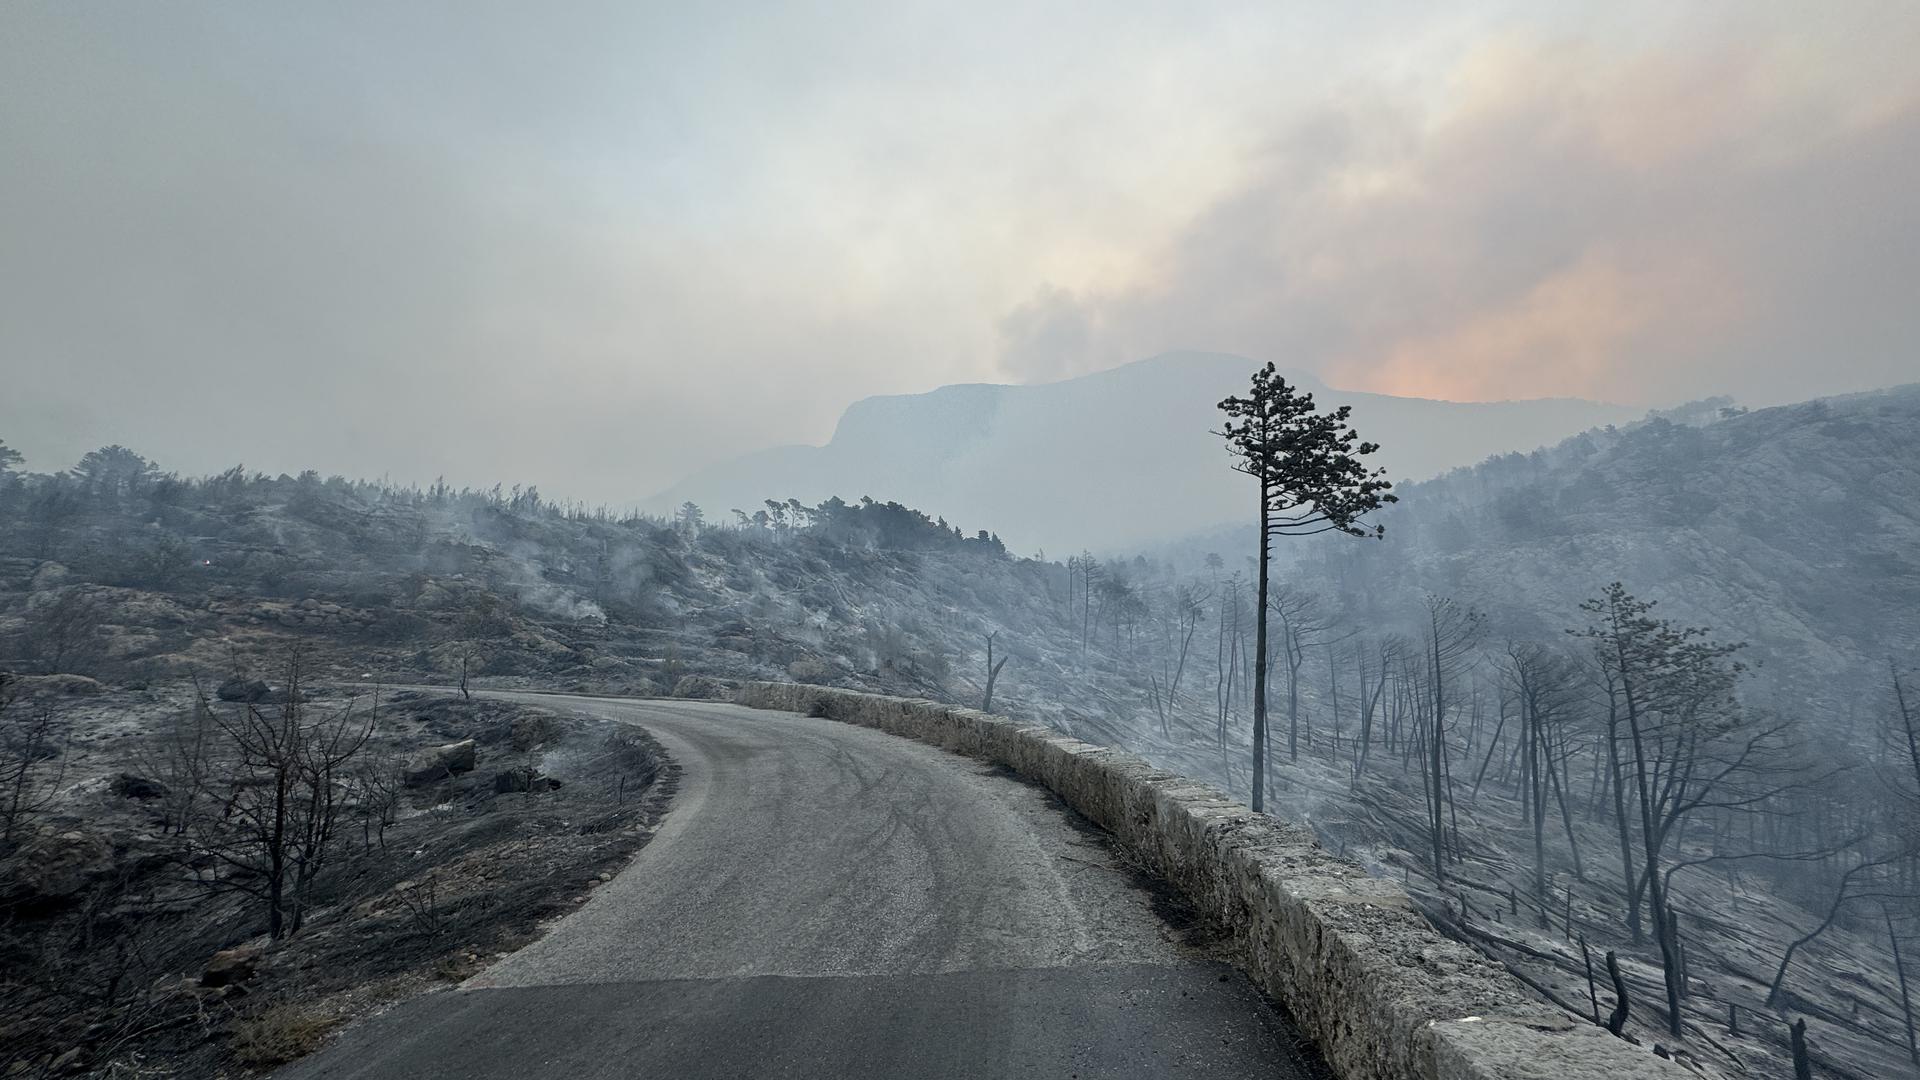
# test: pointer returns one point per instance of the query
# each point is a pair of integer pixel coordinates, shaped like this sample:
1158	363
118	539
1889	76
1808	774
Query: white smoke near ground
561	603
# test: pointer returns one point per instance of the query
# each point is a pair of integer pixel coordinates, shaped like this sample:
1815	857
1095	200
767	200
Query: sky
597	246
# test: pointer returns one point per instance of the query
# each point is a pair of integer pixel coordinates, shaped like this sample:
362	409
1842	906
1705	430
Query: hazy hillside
1117	458
1795	528
134	576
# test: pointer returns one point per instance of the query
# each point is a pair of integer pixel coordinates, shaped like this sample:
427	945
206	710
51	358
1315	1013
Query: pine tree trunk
1436	744
1260	663
1293	702
1566	819
1629	873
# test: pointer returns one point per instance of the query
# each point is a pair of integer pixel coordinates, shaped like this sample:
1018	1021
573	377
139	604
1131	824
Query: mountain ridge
1118	457
1792	527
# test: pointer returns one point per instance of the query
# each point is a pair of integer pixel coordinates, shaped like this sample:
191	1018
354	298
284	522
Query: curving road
824	900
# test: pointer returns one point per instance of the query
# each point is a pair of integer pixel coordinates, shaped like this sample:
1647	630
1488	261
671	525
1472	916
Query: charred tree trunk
1802	1067
1293	699
993	674
1494	745
1617	1022
1566	821
1841	894
1593	992
1629	870
1906	996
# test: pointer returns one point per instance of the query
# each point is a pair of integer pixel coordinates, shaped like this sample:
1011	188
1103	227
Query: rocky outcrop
243	689
703	687
1383	994
48	576
441	762
65	685
52	867
130	786
522	780
231	966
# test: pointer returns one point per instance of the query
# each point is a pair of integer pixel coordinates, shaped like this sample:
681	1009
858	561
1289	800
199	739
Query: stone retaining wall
1383	994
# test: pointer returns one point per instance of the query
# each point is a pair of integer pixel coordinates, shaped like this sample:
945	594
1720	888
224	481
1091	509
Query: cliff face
1115	459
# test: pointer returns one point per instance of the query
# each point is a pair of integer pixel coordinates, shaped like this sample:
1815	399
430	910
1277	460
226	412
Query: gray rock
251	691
41	686
50	575
702	687
53	867
522	780
229	966
441	762
129	786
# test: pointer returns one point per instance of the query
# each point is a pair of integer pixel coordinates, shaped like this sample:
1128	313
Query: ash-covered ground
134	920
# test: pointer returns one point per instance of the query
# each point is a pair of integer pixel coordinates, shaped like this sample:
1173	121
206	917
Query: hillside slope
1794	528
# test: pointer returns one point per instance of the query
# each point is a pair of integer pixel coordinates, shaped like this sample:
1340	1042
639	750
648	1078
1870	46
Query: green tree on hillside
690	519
1312	480
114	472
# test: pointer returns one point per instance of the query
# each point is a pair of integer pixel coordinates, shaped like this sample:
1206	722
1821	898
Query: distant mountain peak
1110	458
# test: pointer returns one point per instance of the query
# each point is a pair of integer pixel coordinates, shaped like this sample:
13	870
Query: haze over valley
1313	543
1116	459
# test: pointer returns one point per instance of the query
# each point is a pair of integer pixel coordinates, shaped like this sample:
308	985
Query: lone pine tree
1312	480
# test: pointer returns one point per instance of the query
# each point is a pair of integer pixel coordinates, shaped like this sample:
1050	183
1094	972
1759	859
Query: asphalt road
824	900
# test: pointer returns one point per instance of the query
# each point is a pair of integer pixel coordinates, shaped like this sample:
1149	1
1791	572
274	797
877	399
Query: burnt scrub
132	938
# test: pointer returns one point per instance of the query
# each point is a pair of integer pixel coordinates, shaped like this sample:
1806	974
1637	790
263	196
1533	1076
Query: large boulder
64	685
239	688
531	730
435	597
129	786
809	669
522	780
437	763
703	687
55	865
230	966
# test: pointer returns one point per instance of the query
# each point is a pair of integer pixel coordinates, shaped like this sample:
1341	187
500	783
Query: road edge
1382	993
